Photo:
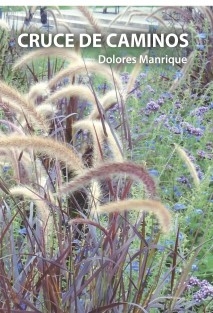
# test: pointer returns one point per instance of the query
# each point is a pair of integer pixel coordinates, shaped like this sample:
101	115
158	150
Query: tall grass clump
98	206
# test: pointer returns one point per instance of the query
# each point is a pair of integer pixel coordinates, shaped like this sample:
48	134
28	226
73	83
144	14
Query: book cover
106	150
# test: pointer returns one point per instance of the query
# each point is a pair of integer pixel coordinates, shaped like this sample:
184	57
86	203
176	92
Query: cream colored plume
39	89
18	102
47	146
63	53
78	91
42	207
189	164
87	67
108	100
150	206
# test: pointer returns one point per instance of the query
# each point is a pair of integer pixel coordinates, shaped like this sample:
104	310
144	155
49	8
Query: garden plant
106	178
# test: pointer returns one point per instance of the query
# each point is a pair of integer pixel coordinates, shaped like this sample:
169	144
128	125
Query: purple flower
191	129
201	35
160	101
103	87
152	106
200	47
201	153
203	293
177	105
205	289
142	75
167	95
23	306
199	172
179	207
6	168
195	131
161	118
175	130
199	111
125	77
183	180
138	94
193	281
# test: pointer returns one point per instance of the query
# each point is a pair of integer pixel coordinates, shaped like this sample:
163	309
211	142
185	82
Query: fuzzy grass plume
151	206
189	164
148	16
207	14
78	91
108	100
133	76
91	19
105	170
63	53
66	26
120	15
46	146
13	97
46	110
38	90
86	67
43	212
51	12
12	127
185	69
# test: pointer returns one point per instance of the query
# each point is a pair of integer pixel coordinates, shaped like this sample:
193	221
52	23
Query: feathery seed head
150	206
105	170
46	146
